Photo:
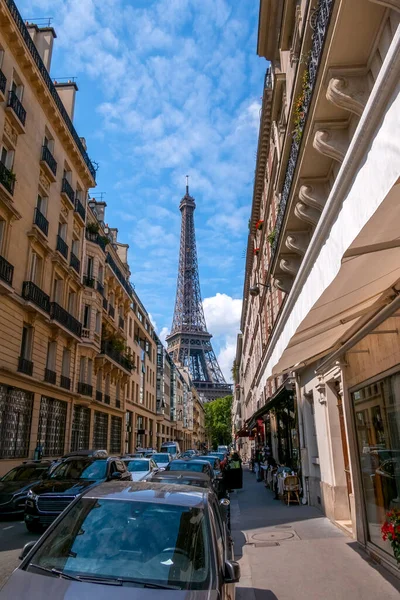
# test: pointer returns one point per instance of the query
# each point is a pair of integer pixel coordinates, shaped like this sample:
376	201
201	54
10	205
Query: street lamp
255	289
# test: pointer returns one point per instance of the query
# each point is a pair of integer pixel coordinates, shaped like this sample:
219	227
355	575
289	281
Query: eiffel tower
189	342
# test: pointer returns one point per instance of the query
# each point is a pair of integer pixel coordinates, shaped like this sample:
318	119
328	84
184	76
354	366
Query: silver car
164	541
140	468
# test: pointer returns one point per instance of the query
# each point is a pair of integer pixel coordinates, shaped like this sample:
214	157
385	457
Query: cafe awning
282	393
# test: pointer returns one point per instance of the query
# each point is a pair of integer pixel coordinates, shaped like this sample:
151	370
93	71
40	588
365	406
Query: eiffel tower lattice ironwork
189	342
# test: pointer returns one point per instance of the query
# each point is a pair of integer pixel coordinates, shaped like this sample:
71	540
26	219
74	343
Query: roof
158	493
183	474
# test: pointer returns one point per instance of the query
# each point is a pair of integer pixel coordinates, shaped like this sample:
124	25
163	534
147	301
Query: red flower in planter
259	224
391	531
256	251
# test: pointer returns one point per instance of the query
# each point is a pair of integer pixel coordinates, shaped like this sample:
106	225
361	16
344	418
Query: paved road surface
13	537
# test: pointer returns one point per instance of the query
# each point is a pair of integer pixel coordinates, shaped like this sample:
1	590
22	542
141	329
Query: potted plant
391	531
271	236
256	251
92	227
259	224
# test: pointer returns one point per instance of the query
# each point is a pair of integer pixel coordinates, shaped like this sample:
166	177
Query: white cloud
226	357
222	314
163	334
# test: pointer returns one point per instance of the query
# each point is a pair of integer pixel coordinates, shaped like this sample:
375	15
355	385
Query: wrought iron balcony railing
67	189
3	81
321	19
50	376
25	366
96	239
99	396
65	382
80	209
124	282
100	288
75	263
15	103
85	389
40	221
108	349
33	293
107	399
88	281
49	159
6	271
7	178
59	314
62	247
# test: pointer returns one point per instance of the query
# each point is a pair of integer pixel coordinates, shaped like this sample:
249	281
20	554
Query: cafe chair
291	489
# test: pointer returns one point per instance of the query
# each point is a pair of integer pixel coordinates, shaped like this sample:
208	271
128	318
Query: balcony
80	209
75	263
40	221
16	111
64	318
85	389
111	311
7	179
88	281
95	238
124	282
50	376
32	293
121	323
105	304
108	349
107	399
67	191
6	271
100	288
25	366
49	163
3	81
65	382
99	396
62	247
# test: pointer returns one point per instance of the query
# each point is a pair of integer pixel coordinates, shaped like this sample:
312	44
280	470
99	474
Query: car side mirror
116	475
224	502
232	571
26	549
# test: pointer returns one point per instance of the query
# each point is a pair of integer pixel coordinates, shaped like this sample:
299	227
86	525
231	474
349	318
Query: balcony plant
391	531
104	239
259	224
299	107
92	227
256	251
271	236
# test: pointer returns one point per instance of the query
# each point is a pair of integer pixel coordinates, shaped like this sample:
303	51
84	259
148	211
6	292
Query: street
13	537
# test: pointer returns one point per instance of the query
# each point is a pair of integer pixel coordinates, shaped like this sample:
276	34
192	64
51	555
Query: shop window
52	426
15	421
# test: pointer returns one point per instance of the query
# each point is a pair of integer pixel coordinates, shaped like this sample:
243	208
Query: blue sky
168	88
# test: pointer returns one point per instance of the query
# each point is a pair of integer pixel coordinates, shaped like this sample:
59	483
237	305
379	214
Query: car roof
183	474
35	463
143	491
129	458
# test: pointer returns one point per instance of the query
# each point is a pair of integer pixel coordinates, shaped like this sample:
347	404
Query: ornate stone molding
290	264
284	282
44	182
393	4
307	214
314	193
297	241
348	89
321	390
10	132
332	142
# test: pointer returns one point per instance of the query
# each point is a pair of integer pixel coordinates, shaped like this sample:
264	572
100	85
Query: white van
223	449
172	448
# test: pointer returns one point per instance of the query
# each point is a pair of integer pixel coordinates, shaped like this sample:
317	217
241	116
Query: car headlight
32	496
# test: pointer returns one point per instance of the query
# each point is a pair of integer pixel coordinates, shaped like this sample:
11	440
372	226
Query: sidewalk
295	553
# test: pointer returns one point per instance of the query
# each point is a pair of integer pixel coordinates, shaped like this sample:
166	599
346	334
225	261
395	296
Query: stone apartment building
318	356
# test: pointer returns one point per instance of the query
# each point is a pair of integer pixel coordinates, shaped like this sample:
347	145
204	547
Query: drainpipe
301	434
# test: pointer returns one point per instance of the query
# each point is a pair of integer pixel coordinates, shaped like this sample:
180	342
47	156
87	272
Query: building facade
318	359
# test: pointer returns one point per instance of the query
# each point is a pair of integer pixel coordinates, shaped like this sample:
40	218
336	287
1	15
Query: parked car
188	454
171	448
182	478
131	535
214	462
223	449
220	455
139	468
47	499
15	485
162	459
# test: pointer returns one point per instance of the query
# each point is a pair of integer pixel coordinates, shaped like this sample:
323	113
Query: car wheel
34	527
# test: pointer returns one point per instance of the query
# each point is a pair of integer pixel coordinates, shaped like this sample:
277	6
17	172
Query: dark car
188	454
159	541
201	480
46	500
214	462
15	485
199	465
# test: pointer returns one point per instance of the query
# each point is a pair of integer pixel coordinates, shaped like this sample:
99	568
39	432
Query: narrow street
13	537
294	552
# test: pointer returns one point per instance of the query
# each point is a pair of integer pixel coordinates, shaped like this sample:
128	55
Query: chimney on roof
99	209
43	38
67	91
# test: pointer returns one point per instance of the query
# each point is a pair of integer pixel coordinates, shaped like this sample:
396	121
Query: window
75	246
146	325
98	322
107	386
80	428
62	231
89	267
115	434
117	391
17	87
7	157
67	174
2	234
101	274
100	430
41	204
35	271
52	426
89	377
72	303
130	326
66	362
79	195
86	316
26	342
15	421
58	290
48	141
99	380
51	356
82	365
140	316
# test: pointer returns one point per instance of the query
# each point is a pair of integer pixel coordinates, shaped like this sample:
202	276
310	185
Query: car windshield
186	466
146	541
161	458
137	465
81	468
25	473
211	459
169	449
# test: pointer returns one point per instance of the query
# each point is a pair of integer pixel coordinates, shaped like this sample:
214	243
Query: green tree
218	421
